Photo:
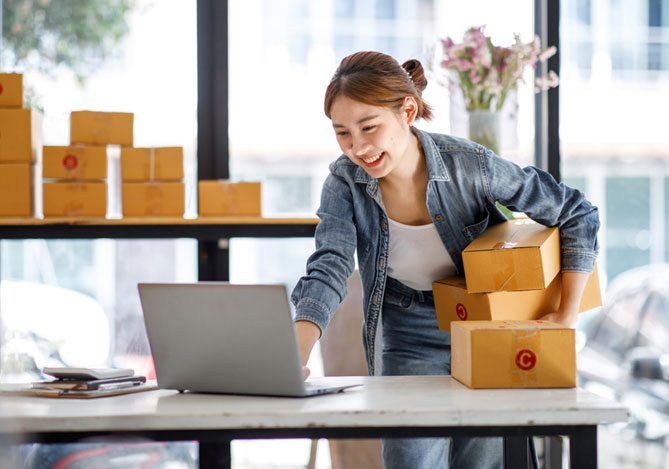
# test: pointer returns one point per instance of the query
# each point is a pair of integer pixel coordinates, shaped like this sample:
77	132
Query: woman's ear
409	110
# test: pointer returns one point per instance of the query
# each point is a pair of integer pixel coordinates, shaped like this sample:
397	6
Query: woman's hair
378	79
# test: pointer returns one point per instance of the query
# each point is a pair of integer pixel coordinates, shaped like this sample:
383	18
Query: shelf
202	229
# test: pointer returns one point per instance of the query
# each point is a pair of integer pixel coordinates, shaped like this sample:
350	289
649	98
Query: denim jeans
414	345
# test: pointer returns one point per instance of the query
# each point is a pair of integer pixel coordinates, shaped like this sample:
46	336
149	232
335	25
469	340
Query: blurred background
74	302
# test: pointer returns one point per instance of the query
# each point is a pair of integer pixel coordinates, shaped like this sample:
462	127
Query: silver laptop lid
217	337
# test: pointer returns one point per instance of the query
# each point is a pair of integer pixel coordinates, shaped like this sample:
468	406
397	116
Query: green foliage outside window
42	35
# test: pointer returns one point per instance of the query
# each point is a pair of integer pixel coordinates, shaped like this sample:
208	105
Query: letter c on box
526	359
461	311
70	162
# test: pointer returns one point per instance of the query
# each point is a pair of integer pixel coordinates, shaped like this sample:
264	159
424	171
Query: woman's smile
375	160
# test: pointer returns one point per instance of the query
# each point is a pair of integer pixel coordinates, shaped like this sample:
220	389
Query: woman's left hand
566	318
573	284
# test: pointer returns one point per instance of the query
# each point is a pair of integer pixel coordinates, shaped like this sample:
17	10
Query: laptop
217	337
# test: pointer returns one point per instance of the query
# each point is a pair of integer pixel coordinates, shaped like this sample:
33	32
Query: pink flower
464	65
545	55
487	72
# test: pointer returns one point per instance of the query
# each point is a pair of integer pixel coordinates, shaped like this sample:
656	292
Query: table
383	407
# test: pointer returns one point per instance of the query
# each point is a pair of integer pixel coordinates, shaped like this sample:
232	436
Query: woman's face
375	138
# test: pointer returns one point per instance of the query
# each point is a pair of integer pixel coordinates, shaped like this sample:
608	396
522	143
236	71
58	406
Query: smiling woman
391	194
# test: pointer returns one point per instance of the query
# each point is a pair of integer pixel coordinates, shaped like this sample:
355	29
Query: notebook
221	338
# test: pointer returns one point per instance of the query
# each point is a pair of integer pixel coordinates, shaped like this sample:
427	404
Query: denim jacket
464	182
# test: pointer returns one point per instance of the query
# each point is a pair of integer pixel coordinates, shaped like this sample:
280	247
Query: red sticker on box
526	359
461	311
70	162
0	88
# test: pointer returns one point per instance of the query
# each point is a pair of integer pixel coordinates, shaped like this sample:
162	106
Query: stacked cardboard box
101	128
152	181
20	150
76	175
75	180
512	272
225	198
513	354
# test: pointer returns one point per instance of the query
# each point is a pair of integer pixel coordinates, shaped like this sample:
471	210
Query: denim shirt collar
436	169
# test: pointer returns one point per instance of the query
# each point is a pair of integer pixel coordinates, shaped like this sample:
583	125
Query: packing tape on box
504	245
504	269
152	164
153	193
74	207
100	136
525	348
230	197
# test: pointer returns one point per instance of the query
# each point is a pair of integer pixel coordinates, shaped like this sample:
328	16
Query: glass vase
484	128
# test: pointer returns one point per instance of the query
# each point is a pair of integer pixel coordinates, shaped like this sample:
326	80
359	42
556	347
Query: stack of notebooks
88	382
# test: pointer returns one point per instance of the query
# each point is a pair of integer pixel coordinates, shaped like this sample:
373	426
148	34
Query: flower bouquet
486	72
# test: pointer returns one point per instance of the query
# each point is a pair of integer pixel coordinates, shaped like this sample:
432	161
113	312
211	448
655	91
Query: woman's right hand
307	335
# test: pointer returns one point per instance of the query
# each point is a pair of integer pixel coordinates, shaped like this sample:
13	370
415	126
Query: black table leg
516	452
583	447
215	455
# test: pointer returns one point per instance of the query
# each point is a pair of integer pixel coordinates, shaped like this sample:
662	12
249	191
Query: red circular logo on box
70	161
0	88
526	359
461	311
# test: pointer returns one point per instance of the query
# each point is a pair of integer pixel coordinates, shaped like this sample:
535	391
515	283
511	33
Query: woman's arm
319	292
536	193
540	197
573	284
308	334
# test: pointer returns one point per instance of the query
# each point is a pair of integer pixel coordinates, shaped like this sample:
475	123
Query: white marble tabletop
380	402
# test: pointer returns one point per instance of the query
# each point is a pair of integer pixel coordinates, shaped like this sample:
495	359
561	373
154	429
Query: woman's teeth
372	159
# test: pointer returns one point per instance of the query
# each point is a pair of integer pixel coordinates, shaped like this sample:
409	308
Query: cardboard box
513	354
454	303
152	164
16	190
20	136
513	255
101	128
224	198
152	199
79	162
73	199
11	90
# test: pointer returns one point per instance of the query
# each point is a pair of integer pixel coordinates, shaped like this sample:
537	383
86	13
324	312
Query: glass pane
280	63
614	72
611	130
108	55
282	57
666	218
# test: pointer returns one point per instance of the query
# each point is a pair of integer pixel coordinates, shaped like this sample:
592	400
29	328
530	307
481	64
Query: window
627	223
610	135
149	70
289	143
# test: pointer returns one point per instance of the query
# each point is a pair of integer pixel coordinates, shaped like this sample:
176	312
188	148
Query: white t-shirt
417	255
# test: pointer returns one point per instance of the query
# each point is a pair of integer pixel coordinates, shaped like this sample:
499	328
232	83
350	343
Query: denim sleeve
318	294
536	193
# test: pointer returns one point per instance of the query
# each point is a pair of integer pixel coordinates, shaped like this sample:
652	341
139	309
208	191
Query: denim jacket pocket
472	232
399	301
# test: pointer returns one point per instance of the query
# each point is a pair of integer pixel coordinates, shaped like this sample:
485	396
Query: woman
409	202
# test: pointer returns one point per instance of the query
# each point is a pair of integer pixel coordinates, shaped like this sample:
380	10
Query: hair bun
415	70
